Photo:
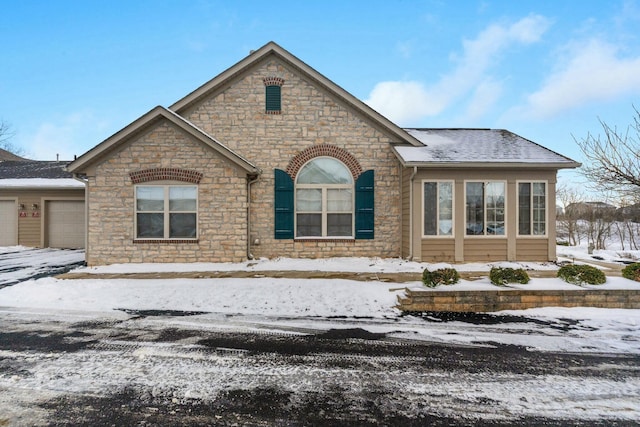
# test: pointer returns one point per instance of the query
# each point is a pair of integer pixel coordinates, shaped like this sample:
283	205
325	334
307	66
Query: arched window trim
331	224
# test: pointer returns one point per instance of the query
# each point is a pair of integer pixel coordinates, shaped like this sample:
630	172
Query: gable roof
36	174
9	156
478	148
142	124
272	48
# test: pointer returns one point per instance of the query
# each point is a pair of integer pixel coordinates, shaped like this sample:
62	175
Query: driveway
18	264
150	368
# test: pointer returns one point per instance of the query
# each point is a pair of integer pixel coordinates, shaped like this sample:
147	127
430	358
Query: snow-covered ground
267	305
18	263
314	302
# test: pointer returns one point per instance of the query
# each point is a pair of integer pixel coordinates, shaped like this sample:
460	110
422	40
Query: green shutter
283	203
273	98
365	205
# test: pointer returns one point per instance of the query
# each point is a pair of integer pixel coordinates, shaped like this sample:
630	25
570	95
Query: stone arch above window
273	81
324	150
165	174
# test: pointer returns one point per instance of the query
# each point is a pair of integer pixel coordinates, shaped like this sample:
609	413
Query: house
270	158
630	213
41	204
590	210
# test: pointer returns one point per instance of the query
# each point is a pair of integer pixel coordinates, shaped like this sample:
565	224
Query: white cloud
64	136
484	97
594	72
404	101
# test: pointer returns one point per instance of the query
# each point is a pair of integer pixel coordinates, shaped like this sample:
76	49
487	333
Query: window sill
324	239
166	241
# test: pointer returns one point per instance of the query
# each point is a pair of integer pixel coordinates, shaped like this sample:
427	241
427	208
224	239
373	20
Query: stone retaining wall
515	299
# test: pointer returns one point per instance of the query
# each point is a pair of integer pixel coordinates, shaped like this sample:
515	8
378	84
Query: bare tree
568	220
6	133
613	159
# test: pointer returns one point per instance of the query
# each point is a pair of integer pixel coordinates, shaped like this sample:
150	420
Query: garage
8	223
65	223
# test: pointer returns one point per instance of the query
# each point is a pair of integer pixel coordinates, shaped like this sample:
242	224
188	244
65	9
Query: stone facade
222	202
310	117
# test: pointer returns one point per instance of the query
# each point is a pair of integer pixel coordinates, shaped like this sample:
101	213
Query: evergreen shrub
441	276
581	274
501	276
632	272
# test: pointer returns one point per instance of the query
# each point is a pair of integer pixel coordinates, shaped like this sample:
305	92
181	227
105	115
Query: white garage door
8	223
65	224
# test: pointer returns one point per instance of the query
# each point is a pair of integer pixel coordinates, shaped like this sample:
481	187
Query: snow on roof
453	146
41	183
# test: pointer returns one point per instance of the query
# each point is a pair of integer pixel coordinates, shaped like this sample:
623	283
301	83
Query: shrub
501	276
580	274
632	272
441	276
562	243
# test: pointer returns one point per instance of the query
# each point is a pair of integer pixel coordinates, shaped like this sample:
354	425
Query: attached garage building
41	205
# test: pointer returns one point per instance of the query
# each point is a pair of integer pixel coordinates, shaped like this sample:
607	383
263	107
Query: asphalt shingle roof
33	169
450	146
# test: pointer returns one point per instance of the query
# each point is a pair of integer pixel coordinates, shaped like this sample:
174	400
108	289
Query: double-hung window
437	208
485	208
166	211
532	208
324	199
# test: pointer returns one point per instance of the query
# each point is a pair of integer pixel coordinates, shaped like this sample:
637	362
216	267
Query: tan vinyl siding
30	226
438	250
490	248
532	249
485	249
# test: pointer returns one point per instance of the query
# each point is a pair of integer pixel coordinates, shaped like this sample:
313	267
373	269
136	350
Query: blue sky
75	72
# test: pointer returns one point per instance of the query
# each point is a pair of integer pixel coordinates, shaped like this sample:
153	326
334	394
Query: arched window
324	199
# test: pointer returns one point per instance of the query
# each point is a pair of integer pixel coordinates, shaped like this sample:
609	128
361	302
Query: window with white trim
437	208
166	211
485	208
324	199
532	208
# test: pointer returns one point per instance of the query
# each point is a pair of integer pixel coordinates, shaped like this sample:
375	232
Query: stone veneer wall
515	299
309	116
221	202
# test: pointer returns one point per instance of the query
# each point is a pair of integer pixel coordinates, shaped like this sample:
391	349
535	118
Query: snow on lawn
318	303
344	264
266	296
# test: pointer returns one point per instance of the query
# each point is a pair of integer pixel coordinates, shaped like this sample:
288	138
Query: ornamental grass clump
441	276
632	272
581	274
502	275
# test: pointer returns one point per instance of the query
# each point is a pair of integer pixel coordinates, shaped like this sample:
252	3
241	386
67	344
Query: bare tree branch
613	160
6	133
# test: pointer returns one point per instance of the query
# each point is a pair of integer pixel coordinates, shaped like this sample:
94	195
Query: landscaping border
515	299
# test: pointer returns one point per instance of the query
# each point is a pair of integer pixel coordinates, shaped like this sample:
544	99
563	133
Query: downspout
250	182
413	175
